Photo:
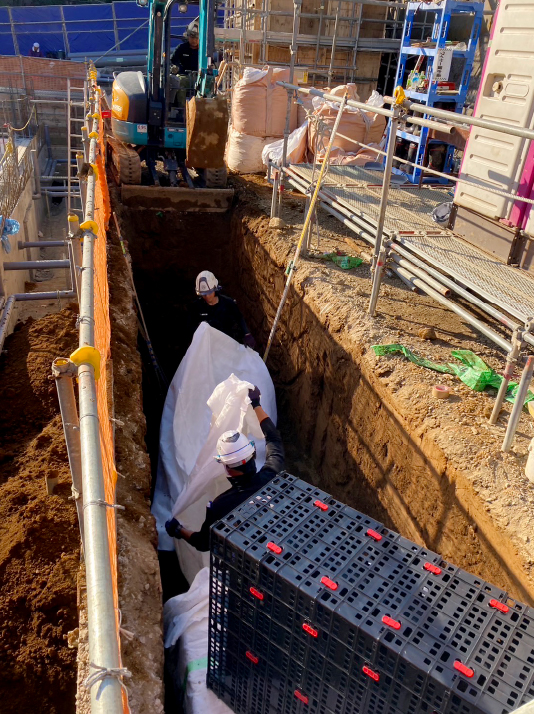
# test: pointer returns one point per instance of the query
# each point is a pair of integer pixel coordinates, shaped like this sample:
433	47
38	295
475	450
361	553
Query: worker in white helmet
219	311
35	50
238	455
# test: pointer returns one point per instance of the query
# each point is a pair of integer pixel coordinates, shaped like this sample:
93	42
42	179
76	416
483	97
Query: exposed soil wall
368	428
39	536
139	581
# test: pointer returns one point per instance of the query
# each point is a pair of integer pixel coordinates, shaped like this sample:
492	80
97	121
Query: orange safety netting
104	385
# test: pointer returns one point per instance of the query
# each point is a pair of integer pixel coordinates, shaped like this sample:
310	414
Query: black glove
249	341
173	528
254	396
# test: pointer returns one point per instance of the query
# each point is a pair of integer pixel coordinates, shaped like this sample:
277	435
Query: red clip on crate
499	606
256	593
309	629
252	657
369	672
373	534
321	505
390	622
328	583
432	568
303	698
467	671
275	548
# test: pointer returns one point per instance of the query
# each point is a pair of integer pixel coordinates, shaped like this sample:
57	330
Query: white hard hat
206	283
192	29
234	449
35	45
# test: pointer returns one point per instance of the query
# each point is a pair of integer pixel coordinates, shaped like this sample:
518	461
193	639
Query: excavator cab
178	119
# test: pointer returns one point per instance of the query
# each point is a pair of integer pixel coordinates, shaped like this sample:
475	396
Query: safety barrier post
519	403
511	361
377	267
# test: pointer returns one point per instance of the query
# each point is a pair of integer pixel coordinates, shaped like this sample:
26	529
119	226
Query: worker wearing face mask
238	455
219	311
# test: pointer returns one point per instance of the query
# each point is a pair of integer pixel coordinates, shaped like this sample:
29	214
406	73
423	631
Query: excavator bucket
207	128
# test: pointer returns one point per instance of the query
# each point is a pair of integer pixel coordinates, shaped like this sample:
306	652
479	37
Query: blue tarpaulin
82	28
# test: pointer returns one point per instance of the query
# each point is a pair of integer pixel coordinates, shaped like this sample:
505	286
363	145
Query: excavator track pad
125	163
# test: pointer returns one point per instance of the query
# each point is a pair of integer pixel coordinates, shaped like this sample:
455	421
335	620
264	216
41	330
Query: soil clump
39	535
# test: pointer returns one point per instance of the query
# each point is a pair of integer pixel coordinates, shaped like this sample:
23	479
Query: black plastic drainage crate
314	607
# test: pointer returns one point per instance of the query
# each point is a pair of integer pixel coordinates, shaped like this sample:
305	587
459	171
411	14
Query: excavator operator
185	56
238	455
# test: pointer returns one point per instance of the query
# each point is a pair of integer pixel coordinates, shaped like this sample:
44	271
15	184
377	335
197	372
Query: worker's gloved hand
173	528
249	341
254	396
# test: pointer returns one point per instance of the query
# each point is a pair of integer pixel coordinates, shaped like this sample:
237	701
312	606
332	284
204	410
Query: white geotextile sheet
208	396
185	620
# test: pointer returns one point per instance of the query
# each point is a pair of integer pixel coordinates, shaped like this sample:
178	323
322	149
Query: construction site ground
364	428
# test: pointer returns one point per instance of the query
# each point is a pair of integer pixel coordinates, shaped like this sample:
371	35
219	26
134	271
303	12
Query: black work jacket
225	316
185	58
243	487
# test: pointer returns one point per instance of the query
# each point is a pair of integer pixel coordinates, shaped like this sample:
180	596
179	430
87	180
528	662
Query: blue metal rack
434	93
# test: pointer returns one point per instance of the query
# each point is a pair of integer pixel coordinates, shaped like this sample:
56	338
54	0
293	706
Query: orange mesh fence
39	74
102	342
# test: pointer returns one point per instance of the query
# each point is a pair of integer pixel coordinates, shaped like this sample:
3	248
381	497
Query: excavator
179	120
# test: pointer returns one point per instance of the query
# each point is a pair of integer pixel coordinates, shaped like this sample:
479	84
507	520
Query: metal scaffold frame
247	37
412	248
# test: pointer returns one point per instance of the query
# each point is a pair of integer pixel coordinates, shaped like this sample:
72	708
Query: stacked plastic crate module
315	607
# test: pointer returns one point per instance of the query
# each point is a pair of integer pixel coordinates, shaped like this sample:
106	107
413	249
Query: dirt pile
39	537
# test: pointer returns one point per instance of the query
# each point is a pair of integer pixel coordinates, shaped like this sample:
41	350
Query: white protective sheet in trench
208	396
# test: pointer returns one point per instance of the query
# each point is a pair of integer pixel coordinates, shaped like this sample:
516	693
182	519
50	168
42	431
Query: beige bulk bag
249	102
363	126
243	152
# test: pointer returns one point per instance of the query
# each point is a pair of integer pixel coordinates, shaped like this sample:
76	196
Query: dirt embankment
139	579
39	536
367	428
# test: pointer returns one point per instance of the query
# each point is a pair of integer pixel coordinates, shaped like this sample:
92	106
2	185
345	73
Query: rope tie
75	493
101	502
102	673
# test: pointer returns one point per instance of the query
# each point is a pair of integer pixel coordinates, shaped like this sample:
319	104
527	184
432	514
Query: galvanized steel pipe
106	694
5	318
519	403
35	264
56	295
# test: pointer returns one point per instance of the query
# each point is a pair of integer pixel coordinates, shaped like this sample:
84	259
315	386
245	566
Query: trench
342	429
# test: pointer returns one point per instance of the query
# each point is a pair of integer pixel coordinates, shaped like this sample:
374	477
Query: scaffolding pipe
480	326
378	257
5	319
293	53
64	372
304	231
42	244
511	361
106	692
55	295
519	403
417	272
452	117
36	264
36	175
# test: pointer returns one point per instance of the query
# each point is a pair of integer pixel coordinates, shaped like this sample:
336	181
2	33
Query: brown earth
39	537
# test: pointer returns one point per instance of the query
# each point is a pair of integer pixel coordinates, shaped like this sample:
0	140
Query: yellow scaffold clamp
90	226
399	96
96	115
87	355
93	135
